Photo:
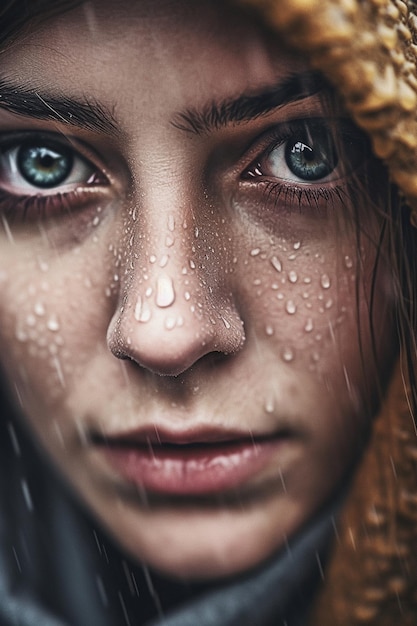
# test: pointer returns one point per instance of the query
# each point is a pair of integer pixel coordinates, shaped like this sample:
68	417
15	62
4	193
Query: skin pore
193	277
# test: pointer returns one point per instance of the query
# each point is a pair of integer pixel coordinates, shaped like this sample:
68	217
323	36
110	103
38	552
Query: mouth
189	464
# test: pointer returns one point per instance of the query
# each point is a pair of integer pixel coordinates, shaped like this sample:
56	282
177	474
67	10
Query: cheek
301	300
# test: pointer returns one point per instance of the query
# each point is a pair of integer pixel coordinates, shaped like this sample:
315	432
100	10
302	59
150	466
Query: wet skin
183	283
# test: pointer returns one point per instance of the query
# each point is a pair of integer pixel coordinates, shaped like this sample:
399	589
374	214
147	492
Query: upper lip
159	435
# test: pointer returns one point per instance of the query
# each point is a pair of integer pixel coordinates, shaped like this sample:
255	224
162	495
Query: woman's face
183	297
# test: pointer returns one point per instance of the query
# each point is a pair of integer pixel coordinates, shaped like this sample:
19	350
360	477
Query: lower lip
191	470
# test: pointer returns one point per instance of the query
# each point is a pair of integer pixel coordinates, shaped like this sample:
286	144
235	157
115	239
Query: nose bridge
173	305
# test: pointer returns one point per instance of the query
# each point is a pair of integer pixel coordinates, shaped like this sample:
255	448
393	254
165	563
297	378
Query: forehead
134	51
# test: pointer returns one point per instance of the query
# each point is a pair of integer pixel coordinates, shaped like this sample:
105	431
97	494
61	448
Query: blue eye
310	156
44	166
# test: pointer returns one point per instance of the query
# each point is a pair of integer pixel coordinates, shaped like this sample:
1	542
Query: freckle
255	252
292	276
290	307
269	330
152	258
163	262
276	264
287	355
309	325
325	281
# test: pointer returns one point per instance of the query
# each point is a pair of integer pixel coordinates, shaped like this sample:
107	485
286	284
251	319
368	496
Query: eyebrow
248	107
82	113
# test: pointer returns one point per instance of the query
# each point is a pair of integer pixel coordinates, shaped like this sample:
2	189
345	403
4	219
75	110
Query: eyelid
82	150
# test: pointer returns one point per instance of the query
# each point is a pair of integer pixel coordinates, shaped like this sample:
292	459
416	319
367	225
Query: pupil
44	166
313	157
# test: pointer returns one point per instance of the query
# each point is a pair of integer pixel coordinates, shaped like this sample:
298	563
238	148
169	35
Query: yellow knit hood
368	51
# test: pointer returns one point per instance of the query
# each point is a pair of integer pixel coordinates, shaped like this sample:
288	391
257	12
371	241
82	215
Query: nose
174	305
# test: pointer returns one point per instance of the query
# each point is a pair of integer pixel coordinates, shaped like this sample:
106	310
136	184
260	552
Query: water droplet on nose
348	262
325	281
269	330
43	266
148	292
152	258
192	264
142	311
297	245
287	355
276	263
164	260
171	222
96	221
255	252
170	323
292	277
226	323
290	307
307	280
169	241
30	320
52	324
309	325
165	294
196	232
21	335
187	295
269	405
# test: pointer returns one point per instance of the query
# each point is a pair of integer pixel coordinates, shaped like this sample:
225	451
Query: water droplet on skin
297	245
148	292
165	294
171	222
192	264
142	311
196	232
269	406
226	323
255	252
292	257
187	295
309	325
152	258
52	324
170	323
180	321
287	355
30	320
257	282
43	266
348	262
269	330
163	262
21	335
280	296
325	281
315	357
328	304
290	307
276	263
107	292
96	221
169	241
292	277
307	280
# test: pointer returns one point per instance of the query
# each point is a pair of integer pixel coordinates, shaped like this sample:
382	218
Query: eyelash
299	195
48	201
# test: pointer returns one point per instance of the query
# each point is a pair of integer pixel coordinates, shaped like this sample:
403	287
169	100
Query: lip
188	463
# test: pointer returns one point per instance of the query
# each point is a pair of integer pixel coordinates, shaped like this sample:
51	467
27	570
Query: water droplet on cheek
287	355
325	281
291	307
